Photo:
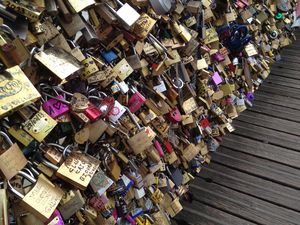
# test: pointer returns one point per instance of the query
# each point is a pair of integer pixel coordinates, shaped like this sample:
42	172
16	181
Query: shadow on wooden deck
254	178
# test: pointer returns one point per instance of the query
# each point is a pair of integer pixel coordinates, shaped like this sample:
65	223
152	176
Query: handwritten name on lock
79	167
43	196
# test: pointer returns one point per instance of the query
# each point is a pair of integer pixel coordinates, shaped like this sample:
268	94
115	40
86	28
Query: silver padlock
162	7
126	14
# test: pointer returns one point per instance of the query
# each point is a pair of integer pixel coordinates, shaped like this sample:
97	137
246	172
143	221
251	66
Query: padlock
78	102
31	11
60	62
40	125
52	152
78	169
99	202
100	183
54	107
162	7
12	159
135	101
123	13
4	215
71	202
141	140
32	200
55	219
24	92
77	6
12	51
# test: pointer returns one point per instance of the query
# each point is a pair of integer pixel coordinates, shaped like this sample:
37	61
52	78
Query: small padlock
136	101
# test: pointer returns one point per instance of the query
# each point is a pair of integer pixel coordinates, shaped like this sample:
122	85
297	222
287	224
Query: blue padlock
235	37
109	56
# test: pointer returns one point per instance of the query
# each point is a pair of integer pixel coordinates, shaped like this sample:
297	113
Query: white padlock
126	14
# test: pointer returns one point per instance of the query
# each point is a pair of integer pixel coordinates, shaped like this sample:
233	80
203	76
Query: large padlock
12	160
78	169
22	94
60	62
42	199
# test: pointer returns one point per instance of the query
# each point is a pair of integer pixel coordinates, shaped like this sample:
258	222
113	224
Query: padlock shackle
7	29
6	137
26	176
49	164
132	118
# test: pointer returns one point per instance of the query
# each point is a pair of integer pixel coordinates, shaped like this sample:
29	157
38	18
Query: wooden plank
290	58
270	122
197	213
246	206
283	81
263	150
285	73
259	161
253	186
294	65
267	135
284	91
277	99
276	111
259	170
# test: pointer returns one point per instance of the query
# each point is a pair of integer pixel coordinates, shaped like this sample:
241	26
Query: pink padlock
55	219
159	148
55	108
136	101
174	116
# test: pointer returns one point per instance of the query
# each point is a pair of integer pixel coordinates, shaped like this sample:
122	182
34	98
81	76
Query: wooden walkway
254	178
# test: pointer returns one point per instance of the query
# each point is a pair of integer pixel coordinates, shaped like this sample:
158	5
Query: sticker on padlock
40	125
117	111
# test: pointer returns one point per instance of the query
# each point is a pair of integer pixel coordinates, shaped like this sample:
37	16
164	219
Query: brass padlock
12	159
42	199
78	169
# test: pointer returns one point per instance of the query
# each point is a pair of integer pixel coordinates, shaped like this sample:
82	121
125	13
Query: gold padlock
42	199
78	169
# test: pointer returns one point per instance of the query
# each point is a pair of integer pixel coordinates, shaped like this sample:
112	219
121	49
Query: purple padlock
55	219
217	79
250	96
218	57
55	108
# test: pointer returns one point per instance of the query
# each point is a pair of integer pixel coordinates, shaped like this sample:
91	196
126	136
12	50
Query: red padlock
204	123
136	101
174	116
93	112
168	146
98	202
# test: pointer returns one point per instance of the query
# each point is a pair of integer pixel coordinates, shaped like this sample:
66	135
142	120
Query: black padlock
121	207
